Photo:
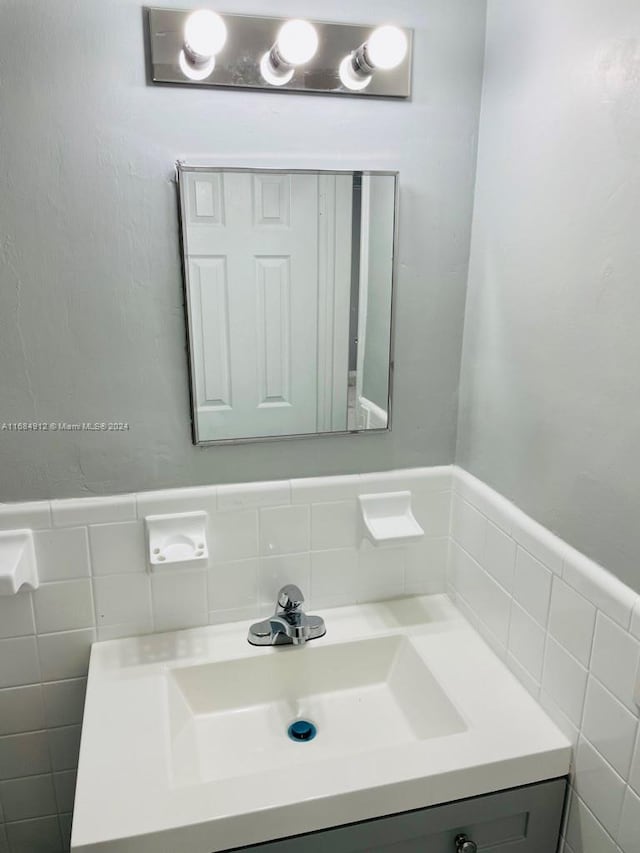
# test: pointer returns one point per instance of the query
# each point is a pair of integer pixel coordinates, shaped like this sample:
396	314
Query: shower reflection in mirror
289	279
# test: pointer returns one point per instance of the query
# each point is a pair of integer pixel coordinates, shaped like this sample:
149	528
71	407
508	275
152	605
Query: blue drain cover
302	730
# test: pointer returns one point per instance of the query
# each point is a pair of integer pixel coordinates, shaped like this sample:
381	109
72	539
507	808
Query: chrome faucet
289	624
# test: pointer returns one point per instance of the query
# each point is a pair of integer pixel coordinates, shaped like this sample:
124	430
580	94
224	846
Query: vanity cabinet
520	820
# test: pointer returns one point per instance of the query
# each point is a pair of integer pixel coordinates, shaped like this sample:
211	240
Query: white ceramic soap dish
177	541
18	565
387	519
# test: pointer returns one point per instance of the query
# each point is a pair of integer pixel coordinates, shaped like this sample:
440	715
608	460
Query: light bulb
350	78
386	47
297	42
276	76
205	34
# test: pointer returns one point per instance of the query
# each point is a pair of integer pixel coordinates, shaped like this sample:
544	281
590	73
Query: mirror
289	291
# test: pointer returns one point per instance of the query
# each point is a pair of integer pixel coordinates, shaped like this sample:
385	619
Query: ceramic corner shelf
177	541
18	565
387	519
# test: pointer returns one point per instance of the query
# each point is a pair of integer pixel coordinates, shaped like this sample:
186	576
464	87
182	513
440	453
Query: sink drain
302	730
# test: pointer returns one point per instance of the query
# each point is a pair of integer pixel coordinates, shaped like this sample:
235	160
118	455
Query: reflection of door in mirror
268	258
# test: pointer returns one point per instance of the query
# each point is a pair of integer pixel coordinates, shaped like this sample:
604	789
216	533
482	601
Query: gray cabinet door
520	820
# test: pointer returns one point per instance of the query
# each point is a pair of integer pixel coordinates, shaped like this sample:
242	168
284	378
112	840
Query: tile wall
570	632
94	585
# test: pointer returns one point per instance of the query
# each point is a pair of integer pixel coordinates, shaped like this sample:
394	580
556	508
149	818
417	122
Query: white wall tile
234	585
635	620
539	542
615	660
526	642
380	573
64	746
247	495
436	479
33	796
117	548
599	786
532	586
499	556
32	515
21	709
495	507
425	567
572	620
482	593
275	572
565	680
634	775
334	525
609	727
18	662
63	606
24	755
629	834
468	527
284	530
585	833
325	489
599	586
523	675
568	729
65	655
236	614
179	600
65	788
233	535
78	511
123	600
64	701
171	501
62	554
16	615
432	511
334	577
41	835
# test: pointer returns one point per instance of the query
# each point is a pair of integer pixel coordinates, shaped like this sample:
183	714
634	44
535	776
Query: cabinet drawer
520	820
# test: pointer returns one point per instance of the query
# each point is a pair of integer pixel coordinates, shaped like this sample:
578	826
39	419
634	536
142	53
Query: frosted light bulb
205	34
350	78
386	47
297	42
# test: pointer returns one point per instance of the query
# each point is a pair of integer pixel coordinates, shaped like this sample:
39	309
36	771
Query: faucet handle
290	597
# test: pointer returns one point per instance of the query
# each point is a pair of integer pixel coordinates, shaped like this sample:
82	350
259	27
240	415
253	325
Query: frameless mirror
289	281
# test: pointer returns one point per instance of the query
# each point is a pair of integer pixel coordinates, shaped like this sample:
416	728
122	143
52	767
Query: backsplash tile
588	623
117	548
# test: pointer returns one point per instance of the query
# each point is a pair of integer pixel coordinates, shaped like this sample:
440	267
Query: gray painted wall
91	314
550	390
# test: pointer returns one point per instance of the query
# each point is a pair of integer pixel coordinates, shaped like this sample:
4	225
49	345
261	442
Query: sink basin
185	741
231	718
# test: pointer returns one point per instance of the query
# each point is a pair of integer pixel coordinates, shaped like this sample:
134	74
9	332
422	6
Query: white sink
231	718
185	747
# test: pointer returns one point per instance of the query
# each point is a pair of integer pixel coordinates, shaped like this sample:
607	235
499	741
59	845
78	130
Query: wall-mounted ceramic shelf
387	519
18	565
177	541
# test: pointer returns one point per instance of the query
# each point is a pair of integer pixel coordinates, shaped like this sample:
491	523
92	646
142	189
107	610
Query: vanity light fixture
189	47
205	34
385	49
297	43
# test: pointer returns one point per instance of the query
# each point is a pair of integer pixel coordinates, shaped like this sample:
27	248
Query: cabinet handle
465	845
